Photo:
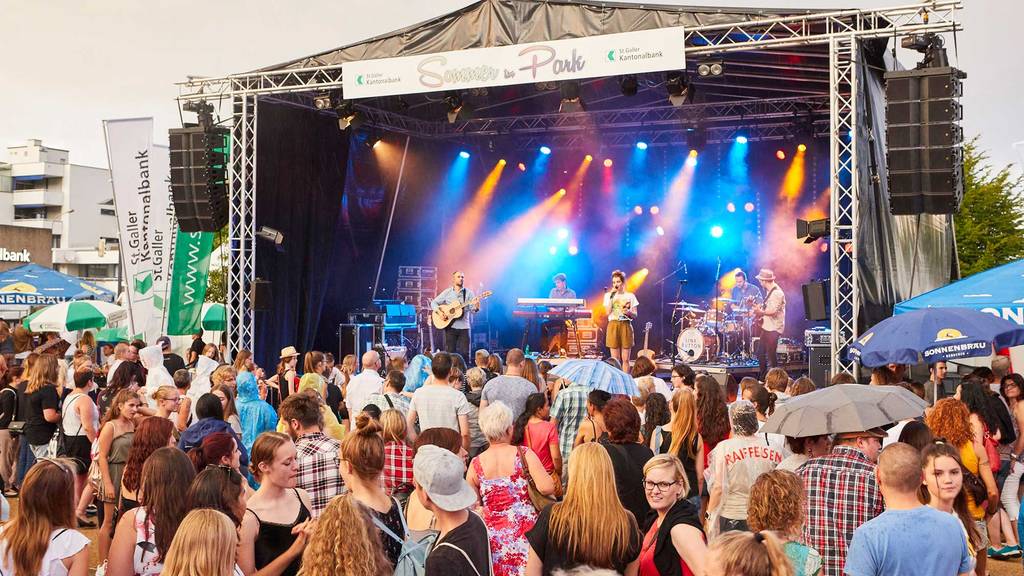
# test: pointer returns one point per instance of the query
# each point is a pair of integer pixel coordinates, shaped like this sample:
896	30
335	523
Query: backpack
412	560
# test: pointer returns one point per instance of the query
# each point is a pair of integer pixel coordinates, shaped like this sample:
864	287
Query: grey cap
164	342
442	475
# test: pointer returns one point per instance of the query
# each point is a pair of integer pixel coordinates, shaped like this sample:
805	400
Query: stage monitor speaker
199	159
261	296
816	300
924	159
819	365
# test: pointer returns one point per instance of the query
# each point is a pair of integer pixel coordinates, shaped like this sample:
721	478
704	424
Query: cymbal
682	303
730	300
741	310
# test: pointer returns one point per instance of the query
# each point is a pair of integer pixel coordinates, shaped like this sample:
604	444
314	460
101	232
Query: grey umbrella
844	408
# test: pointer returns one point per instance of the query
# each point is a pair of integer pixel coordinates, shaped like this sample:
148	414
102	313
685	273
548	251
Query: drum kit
720	332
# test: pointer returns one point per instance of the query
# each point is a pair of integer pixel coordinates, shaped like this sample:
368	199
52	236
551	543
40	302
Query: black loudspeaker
261	296
816	300
819	365
923	140
199	159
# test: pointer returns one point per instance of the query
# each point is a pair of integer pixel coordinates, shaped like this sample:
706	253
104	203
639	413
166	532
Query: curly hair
151	434
345	542
776	503
622	421
951	420
656	413
712	416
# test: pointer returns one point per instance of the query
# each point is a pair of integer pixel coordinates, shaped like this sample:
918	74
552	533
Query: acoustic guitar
448	313
646	351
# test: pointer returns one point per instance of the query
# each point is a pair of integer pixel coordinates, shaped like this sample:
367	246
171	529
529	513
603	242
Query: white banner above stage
656	50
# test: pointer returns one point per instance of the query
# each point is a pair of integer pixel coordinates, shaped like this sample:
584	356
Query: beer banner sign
188	285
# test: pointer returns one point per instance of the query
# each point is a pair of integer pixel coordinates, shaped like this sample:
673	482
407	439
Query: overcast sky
68	64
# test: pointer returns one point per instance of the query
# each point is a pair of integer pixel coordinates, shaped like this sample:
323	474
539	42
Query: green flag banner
188	281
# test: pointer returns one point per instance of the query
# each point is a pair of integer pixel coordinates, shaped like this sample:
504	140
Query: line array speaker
199	159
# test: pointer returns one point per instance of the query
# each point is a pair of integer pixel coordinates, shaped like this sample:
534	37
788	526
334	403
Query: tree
990	223
217	286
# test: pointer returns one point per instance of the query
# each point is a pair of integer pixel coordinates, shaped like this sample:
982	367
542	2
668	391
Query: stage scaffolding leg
391	218
241	225
845	297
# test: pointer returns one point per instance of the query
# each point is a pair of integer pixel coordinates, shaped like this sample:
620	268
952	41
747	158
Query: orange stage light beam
793	182
468	223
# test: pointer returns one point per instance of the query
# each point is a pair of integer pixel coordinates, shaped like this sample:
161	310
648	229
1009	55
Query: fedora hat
766	275
289	352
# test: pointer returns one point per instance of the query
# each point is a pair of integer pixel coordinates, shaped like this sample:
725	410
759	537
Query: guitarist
746	295
772	318
456	335
621	308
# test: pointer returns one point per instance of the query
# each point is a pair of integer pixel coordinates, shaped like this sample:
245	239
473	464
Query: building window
30	213
29	184
55	241
106	212
98	270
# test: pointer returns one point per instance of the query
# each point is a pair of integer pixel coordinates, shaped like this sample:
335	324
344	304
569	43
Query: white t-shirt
64	543
739	461
360	388
615	305
439	407
658	386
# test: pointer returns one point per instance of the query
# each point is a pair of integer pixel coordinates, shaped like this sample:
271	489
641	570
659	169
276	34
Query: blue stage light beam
716	231
464	155
641	145
545	150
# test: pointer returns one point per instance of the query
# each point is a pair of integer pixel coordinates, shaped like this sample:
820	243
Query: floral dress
509	515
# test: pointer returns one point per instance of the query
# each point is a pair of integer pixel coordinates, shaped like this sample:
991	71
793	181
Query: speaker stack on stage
923	134
199	161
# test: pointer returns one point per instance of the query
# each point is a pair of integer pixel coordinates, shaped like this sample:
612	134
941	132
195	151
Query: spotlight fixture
464	155
741	139
571	100
545	150
749	206
780	154
929	44
641	145
203	109
812	230
322	101
717	231
802	148
628	85
457	108
710	68
678	88
607	162
521	166
271	235
348	116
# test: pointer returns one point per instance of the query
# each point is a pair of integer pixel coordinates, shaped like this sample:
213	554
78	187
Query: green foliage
217	287
990	224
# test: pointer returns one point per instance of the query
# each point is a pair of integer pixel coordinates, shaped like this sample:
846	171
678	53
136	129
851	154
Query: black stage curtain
302	160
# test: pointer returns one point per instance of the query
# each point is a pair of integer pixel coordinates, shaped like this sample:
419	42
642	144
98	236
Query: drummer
744	290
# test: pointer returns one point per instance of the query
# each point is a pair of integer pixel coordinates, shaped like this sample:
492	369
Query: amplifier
818	337
417	272
366	317
400	315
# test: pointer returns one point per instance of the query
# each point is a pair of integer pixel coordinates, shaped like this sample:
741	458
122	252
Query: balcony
55	226
45	169
37	197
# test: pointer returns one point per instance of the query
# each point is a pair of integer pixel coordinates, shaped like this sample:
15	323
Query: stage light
464	155
521	166
574	250
716	231
749	206
780	154
457	108
571	100
691	160
638	210
710	68
730	207
348	116
741	139
824	246
693	153
588	158
801	148
809	231
641	145
678	88
655	209
545	150
607	162
377	143
271	235
502	162
563	233
628	85
561	191
322	101
660	231
553	250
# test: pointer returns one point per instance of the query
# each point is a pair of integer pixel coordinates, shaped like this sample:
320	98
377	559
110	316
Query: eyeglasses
658	486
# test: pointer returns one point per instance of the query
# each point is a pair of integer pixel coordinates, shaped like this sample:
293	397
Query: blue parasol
597	375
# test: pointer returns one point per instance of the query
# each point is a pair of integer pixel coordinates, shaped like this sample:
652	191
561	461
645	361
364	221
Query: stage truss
842	31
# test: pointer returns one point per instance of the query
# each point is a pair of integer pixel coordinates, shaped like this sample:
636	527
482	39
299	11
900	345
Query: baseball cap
164	342
442	475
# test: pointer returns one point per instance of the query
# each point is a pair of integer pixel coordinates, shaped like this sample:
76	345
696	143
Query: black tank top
274	539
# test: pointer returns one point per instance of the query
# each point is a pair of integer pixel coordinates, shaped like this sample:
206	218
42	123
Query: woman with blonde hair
397	456
532	373
345	541
748	554
589	527
40	539
673	543
243	361
777	503
204	545
680	439
40	409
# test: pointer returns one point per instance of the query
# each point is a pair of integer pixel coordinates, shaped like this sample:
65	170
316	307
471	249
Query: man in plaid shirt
842	493
317	455
569	410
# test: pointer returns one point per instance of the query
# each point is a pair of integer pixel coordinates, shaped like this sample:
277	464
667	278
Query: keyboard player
555	334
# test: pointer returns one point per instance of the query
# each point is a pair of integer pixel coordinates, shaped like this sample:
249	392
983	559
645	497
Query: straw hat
765	275
289	352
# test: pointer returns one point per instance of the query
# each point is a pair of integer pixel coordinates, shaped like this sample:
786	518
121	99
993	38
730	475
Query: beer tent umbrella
213	317
934	334
597	375
843	408
35	285
74	315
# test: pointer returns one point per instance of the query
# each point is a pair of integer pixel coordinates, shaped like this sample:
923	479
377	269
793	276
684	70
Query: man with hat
462	548
842	493
772	319
172	361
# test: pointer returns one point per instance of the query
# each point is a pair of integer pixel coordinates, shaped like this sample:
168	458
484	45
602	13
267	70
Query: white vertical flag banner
161	235
130	155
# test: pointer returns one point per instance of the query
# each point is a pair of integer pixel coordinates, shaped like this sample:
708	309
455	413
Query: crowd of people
433	466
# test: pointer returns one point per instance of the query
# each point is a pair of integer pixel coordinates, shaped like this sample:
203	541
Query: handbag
974	487
538	499
58	445
555	474
17	427
992	451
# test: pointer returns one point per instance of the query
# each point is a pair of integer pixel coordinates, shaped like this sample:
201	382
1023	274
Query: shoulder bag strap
383	527
464	555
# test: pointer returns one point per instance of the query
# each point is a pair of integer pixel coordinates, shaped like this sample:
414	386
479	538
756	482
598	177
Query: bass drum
694	344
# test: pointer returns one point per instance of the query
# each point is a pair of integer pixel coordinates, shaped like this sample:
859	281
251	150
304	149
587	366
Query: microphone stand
717	315
661	315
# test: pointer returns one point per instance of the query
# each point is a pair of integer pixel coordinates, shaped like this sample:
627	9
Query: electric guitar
448	313
646	351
